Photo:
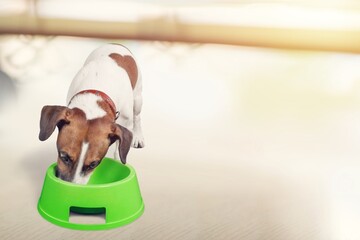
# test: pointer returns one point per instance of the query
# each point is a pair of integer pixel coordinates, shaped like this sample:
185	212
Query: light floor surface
241	143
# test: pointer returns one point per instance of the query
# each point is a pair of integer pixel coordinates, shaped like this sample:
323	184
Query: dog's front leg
138	139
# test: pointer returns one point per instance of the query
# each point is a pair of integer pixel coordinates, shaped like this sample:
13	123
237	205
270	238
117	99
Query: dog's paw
138	141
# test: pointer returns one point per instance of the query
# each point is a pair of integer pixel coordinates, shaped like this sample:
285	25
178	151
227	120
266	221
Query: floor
241	143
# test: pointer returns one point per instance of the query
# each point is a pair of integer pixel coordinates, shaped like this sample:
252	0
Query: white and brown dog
104	104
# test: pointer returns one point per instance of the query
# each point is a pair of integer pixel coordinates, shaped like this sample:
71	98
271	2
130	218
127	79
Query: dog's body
111	69
107	88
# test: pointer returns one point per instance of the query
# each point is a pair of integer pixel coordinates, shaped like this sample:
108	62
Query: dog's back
111	69
108	49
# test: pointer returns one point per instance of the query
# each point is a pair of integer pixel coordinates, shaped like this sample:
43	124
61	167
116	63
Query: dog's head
81	143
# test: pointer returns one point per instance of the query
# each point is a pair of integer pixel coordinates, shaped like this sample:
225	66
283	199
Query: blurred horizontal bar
163	29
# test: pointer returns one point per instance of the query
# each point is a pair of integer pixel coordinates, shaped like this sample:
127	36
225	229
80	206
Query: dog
103	106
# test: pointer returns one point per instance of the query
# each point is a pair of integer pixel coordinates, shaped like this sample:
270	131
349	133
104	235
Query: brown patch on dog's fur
129	64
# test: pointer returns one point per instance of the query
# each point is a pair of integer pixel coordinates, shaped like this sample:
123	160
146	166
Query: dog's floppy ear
52	116
125	136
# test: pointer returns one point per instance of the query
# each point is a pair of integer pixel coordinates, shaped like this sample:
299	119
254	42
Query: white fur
80	178
88	103
100	72
104	75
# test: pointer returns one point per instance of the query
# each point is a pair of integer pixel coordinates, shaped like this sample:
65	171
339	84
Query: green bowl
113	189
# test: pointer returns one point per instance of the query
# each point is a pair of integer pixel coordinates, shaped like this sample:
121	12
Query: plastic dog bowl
112	189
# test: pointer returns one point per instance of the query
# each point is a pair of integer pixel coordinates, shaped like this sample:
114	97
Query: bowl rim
50	173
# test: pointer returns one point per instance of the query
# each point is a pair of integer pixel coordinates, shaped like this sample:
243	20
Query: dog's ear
52	116
125	136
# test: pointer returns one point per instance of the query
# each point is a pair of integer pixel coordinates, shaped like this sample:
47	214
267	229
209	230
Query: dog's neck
93	105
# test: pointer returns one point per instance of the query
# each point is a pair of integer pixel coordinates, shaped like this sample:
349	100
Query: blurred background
250	116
